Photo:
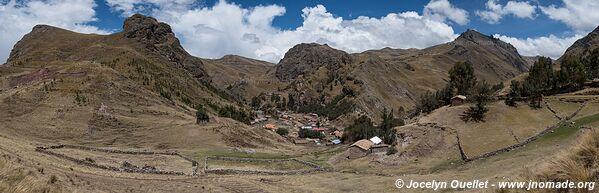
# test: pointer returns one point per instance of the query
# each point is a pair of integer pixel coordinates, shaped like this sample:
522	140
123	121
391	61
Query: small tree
481	97
282	131
256	102
386	126
201	115
362	128
461	77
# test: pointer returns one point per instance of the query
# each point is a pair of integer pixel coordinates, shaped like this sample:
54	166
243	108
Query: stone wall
509	148
530	139
313	167
133	169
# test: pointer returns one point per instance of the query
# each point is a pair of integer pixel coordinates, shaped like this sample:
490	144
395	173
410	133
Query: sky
266	29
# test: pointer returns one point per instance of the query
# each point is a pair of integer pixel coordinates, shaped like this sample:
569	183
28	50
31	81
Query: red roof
319	129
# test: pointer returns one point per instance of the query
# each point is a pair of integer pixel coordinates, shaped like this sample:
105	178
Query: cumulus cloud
581	15
441	10
18	17
549	46
129	7
228	28
494	11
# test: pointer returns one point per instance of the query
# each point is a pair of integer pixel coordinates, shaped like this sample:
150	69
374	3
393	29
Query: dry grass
503	126
580	164
15	178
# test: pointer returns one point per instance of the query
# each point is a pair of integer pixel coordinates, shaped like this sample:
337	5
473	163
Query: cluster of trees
338	106
591	64
265	103
462	81
543	79
363	128
308	133
235	113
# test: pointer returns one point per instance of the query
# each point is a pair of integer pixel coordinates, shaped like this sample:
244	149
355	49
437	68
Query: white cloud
19	17
581	15
441	10
228	28
494	12
129	7
549	46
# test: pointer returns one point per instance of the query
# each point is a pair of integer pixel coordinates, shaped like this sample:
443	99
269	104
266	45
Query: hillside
392	78
135	88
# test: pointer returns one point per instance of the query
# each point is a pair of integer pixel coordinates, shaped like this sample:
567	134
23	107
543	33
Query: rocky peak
473	35
305	58
147	30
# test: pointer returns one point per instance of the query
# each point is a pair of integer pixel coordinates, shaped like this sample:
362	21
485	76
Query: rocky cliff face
159	37
307	58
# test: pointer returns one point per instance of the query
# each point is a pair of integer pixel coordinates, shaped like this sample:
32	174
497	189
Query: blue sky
350	9
265	29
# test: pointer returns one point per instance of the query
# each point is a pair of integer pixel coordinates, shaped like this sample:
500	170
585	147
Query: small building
379	148
359	149
458	100
307	127
592	83
338	133
376	140
336	141
270	126
319	129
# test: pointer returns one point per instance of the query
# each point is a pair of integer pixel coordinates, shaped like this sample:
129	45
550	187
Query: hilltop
136	88
313	74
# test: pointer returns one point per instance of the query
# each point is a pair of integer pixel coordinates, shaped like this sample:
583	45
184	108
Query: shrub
282	131
201	115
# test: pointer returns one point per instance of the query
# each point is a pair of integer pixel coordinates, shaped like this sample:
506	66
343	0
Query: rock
307	58
147	29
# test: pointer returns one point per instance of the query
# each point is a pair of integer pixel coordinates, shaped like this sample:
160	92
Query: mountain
584	46
392	78
136	88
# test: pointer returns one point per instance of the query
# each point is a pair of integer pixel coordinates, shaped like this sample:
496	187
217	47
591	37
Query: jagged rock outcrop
159	37
307	58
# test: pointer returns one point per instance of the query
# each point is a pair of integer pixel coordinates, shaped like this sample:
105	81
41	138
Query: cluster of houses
295	122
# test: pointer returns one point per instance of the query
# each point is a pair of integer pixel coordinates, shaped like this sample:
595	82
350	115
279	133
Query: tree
386	126
201	115
362	128
256	102
592	64
514	93
290	102
572	73
461	77
541	76
481	97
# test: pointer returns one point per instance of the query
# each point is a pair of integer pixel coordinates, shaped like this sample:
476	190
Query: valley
134	112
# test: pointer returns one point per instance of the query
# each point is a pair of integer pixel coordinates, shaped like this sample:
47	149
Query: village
310	129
